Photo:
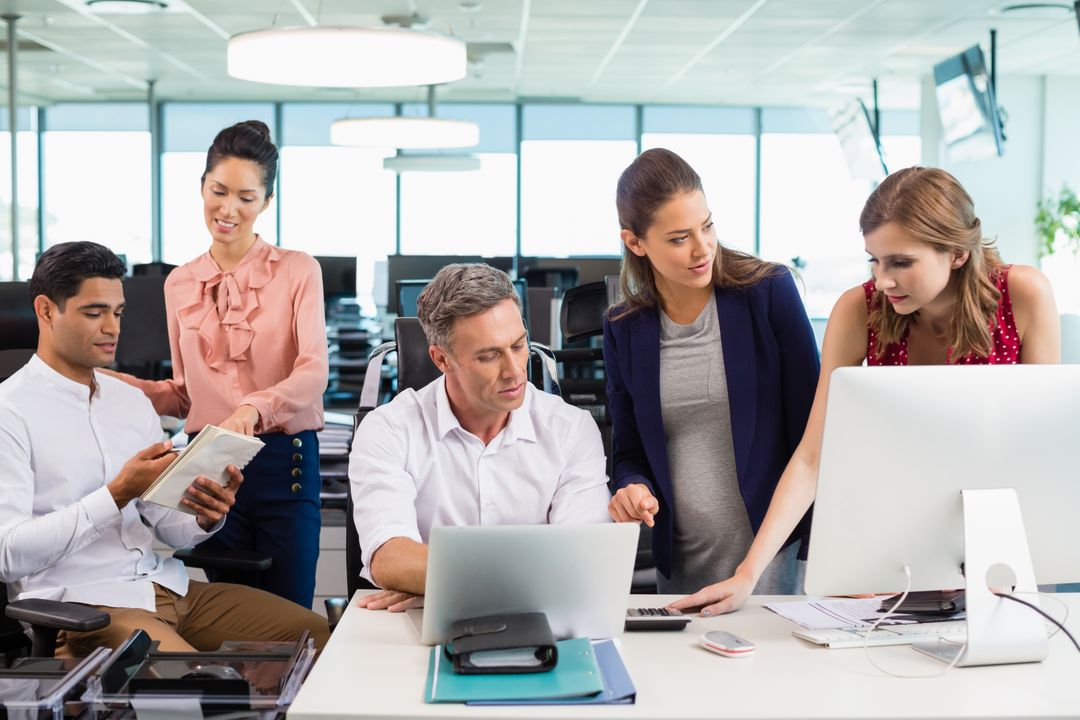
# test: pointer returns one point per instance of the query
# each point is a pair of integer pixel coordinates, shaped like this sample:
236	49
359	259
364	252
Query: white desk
374	667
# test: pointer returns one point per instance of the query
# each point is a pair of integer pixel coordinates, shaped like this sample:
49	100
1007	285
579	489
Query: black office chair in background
18	327
143	349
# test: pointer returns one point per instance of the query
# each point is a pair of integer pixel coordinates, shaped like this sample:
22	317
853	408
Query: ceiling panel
732	51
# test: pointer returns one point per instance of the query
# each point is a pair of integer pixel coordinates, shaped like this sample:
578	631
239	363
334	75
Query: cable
1061	603
866	638
1042	612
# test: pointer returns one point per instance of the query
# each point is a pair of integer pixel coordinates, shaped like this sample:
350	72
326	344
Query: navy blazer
772	365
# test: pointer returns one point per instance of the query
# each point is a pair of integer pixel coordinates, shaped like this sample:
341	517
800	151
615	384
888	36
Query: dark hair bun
255	126
247	140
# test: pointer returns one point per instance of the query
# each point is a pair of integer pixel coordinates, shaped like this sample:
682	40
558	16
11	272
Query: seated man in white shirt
478	446
77	448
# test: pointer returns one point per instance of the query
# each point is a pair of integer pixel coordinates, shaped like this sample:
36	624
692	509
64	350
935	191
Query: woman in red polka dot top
940	294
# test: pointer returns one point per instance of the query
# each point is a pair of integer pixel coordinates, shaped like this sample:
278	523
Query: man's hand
139	472
633	503
721	597
211	501
391	600
243	420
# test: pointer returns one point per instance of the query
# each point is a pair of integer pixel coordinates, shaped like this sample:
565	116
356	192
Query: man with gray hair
477	446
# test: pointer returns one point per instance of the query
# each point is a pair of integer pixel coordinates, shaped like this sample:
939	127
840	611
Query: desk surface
374	667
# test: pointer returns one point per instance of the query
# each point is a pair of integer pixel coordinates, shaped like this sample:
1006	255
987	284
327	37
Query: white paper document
827	613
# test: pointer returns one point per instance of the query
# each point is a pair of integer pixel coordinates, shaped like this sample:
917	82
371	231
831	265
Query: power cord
866	639
1045	614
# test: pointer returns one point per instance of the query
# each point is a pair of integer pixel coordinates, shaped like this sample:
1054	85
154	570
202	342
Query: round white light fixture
431	163
345	57
126	7
410	133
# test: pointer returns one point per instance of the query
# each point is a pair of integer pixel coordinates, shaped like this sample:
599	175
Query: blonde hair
932	206
654	178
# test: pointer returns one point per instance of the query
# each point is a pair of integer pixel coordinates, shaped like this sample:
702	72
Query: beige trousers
209	614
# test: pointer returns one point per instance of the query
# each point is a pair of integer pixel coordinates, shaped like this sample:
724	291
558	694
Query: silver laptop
578	575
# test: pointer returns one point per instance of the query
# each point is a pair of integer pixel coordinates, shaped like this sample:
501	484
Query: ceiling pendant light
408	133
431	163
345	57
126	7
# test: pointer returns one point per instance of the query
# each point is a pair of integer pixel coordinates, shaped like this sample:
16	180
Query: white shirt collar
50	374
520	426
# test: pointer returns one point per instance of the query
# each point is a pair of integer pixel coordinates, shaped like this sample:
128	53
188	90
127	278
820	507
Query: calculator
655	619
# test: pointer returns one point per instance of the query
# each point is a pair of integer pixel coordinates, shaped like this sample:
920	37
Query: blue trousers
277	513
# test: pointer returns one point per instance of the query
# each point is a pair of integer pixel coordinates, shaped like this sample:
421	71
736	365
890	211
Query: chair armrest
57	615
335	608
235	561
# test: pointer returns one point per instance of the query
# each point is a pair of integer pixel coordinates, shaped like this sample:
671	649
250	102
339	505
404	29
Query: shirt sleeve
169	397
305	384
582	495
30	544
383	493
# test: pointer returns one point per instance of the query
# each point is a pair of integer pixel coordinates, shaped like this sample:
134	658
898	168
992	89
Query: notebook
208	454
576	675
618	687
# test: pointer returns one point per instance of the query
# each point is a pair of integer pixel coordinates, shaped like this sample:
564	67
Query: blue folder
618	687
576	675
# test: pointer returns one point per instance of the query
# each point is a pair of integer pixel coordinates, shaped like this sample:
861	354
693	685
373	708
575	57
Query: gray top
712	527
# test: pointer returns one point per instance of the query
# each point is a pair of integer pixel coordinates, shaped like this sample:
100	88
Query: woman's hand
243	420
719	598
633	503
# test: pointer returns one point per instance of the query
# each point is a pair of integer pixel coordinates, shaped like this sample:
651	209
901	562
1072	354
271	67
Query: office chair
18	327
144	349
46	619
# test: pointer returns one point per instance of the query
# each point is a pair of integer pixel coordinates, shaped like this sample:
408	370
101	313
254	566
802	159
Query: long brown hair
932	206
655	177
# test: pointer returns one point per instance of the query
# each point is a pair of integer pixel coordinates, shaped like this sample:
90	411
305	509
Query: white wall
1061	128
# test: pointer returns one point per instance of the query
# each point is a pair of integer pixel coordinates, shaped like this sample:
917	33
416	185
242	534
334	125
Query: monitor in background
589	269
971	124
408	291
948	471
416	267
338	275
859	139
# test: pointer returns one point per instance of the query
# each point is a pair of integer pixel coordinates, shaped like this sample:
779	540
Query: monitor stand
999	631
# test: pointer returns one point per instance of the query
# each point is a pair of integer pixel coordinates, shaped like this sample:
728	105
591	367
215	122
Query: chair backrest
18	324
415	368
583	311
145	333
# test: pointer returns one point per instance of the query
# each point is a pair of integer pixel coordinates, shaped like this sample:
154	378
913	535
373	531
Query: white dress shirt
414	467
61	534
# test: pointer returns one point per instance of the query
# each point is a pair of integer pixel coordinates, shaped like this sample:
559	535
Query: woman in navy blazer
673	267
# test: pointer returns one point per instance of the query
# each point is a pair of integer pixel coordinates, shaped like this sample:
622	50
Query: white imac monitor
903	454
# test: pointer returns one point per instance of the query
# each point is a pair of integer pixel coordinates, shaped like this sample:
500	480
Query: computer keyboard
952	630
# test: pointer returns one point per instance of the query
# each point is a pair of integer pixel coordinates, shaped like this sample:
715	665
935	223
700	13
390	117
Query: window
810	204
28	197
571	159
335	200
467	213
719	144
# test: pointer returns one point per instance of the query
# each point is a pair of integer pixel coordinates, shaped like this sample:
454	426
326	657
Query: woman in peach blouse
248	337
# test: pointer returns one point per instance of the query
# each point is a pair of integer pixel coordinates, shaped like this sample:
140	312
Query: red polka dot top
1005	336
